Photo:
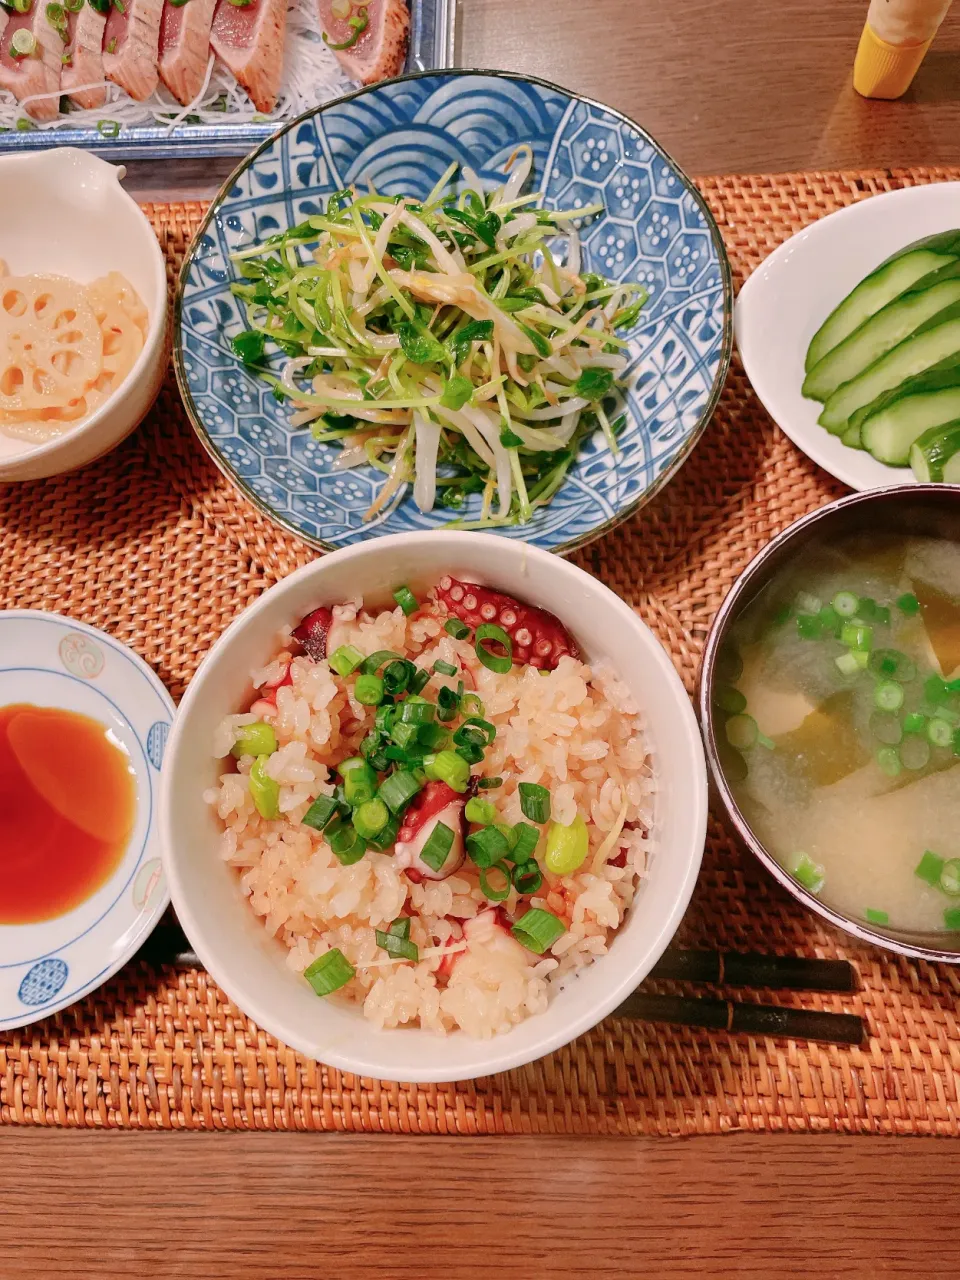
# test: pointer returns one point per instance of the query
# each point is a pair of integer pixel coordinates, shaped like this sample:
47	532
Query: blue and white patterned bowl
402	135
49	661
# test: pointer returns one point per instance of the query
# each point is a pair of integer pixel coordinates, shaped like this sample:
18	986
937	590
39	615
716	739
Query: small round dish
929	510
402	135
71	217
791	293
49	661
251	966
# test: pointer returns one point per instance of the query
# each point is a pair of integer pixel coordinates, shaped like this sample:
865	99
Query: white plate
792	292
51	661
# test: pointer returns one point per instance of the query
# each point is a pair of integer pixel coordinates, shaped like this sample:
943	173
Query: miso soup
838	701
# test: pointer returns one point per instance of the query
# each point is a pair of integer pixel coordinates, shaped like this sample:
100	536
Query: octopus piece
435	803
322	632
539	638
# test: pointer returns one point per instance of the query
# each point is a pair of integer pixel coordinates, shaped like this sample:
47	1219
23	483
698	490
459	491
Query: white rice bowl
612	736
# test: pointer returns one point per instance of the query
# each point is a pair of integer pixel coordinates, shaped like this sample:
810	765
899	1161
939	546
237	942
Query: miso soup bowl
932	510
251	966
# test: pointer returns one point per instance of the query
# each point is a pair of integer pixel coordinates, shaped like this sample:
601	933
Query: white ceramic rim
147	920
495	1054
156	330
864	473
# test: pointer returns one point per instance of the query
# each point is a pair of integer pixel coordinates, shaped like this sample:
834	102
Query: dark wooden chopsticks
168	945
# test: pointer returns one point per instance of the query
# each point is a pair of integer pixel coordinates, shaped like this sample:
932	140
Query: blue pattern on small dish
402	135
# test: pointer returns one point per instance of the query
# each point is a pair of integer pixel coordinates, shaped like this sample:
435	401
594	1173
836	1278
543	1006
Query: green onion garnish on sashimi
457	344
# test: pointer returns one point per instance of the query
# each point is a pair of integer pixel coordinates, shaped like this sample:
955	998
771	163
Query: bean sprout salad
454	344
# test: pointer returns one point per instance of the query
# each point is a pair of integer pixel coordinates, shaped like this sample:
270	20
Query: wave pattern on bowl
402	136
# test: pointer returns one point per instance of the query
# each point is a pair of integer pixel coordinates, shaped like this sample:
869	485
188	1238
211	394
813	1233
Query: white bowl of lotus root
83	312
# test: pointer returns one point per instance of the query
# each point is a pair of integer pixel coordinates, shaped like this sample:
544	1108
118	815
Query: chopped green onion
397	676
567	846
376	660
109	128
398	789
488	890
846	604
455	628
404	734
329	972
359	784
935	690
807	872
400	928
534	802
908	604
399	948
950	877
264	790
939	731
450	768
741	732
951	917
481	812
888	695
371	817
527	877
471	705
57	17
929	868
407	601
886	728
369	690
385	838
320	812
915	753
437	848
829	619
524	840
444	668
767	743
727	698
257	740
475	732
23	43
876	917
419	680
809	628
417	710
849	663
487	846
346	659
448	704
892	665
433	737
888	758
538	930
915	722
856	637
346	844
490	633
490	784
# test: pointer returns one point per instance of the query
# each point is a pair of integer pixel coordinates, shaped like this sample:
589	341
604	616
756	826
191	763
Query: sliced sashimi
131	46
185	47
369	37
248	39
83	59
31	58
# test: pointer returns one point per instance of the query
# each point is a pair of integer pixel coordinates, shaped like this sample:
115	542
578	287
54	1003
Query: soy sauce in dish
67	808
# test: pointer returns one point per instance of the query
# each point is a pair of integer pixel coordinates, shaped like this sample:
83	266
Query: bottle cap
884	70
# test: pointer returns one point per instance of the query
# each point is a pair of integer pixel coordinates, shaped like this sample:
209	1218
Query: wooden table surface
726	87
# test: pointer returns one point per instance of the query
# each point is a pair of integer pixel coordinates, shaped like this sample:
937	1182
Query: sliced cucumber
930	344
889	435
851	436
931	452
880	287
944	376
882	332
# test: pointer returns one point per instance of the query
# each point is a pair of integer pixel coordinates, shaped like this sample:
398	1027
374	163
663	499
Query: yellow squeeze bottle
895	39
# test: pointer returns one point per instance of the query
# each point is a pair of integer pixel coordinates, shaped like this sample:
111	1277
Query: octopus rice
484	882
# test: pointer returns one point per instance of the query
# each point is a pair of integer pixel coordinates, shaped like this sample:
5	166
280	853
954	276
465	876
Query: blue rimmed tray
432	47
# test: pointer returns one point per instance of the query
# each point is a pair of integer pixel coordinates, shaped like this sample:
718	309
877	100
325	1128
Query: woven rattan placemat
152	545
